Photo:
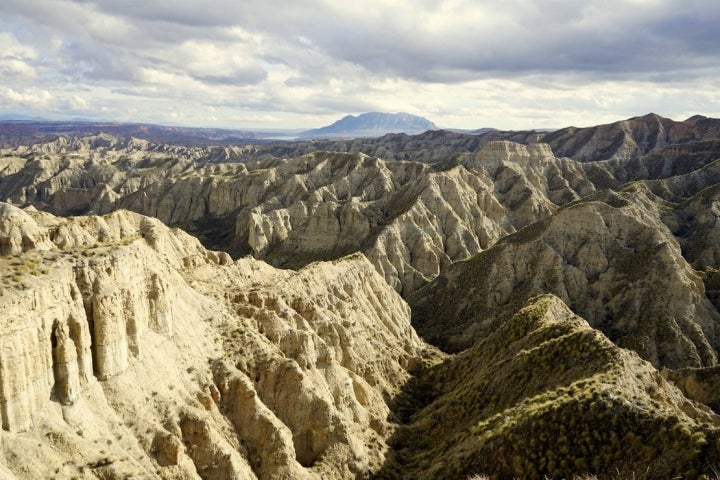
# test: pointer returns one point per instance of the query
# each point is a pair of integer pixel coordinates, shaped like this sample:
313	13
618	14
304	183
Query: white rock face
128	349
39	355
410	219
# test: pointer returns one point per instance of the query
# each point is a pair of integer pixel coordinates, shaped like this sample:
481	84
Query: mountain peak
373	124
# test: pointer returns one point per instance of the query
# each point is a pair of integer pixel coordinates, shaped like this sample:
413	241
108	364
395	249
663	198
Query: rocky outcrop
698	384
46	354
629	138
612	262
19	232
129	349
456	212
409	219
342	344
91	302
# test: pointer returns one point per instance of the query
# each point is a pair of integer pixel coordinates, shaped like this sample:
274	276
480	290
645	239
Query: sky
510	64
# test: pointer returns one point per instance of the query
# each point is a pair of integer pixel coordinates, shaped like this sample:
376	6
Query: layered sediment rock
612	262
239	370
411	219
184	362
128	349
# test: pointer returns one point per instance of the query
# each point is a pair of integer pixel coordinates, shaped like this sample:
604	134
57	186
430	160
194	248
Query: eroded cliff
129	349
611	261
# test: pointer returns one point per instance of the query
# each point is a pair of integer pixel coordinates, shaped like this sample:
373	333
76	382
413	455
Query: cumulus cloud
77	103
30	98
312	59
209	62
15	58
10	47
12	67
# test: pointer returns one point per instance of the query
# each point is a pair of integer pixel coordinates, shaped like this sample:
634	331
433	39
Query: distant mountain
629	138
373	124
624	139
467	131
17	117
480	131
18	132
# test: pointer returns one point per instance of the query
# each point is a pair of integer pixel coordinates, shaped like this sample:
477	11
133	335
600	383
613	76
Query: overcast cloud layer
301	64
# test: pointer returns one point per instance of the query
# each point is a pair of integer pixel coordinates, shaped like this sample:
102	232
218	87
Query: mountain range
22	132
525	304
15	132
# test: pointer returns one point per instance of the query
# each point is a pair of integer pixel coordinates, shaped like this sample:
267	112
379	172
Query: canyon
441	305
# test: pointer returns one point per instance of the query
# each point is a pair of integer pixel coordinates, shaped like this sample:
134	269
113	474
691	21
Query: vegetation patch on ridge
545	395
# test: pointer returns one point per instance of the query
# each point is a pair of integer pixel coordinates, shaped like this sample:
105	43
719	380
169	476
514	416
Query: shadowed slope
545	394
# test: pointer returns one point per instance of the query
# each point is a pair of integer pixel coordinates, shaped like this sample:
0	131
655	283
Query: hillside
147	355
610	261
411	219
545	395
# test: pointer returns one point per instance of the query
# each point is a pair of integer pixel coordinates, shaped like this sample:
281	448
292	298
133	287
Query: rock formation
128	349
410	219
629	138
623	140
612	263
547	395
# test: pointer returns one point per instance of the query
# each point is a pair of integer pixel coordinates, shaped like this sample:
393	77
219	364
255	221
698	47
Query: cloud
15	58
446	41
305	60
462	41
10	47
216	63
12	67
30	98
77	103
